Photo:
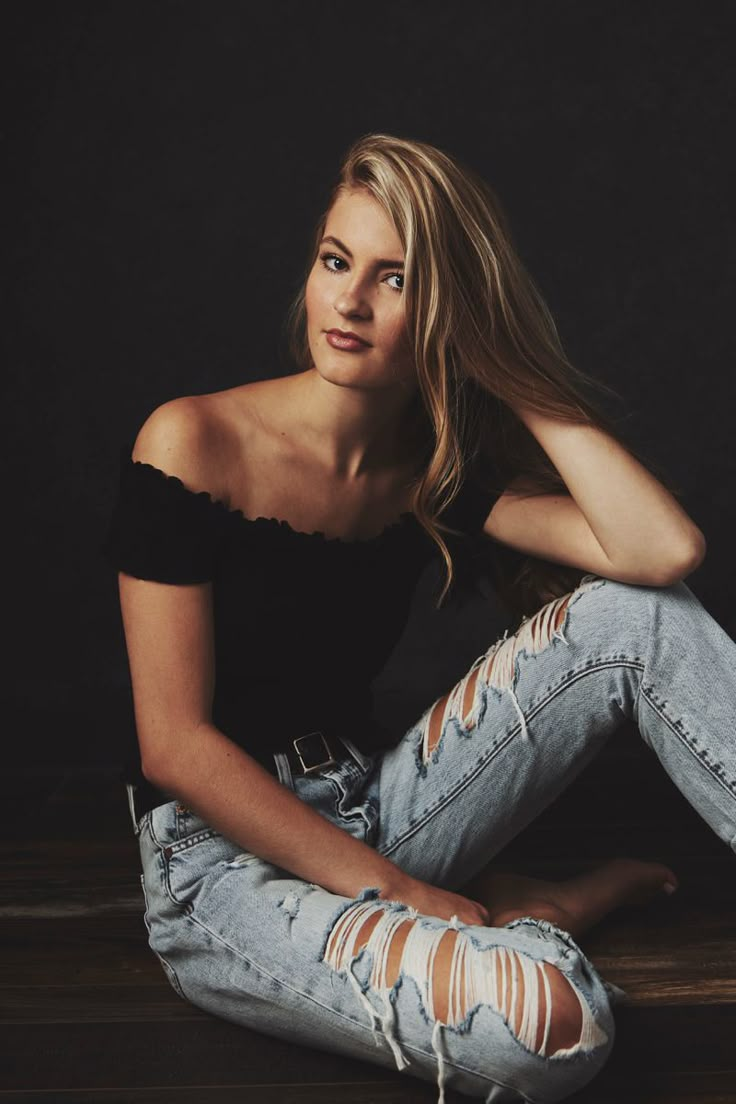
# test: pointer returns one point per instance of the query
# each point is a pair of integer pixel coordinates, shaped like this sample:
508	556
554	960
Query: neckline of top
316	535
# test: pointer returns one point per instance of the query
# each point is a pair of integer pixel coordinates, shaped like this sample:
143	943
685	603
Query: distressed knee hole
541	1008
497	667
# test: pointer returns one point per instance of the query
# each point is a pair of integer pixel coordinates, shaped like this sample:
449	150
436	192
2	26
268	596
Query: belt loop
283	768
356	753
131	808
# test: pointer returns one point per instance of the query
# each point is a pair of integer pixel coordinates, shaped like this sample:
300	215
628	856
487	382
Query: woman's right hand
429	900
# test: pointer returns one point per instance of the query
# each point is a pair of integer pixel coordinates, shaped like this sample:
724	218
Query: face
356	286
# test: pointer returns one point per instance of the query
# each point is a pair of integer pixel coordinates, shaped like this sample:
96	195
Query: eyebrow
382	263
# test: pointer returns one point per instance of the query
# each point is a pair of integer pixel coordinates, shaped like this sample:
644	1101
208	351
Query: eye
325	257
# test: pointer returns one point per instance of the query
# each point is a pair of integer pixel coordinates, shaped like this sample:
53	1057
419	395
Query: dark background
166	163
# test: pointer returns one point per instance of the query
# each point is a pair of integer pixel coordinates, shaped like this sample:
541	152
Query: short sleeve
160	529
474	501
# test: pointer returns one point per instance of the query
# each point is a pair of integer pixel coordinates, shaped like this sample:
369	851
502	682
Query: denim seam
171	974
181	844
192	840
340	1015
153	835
167	884
483	763
169	970
686	743
650	593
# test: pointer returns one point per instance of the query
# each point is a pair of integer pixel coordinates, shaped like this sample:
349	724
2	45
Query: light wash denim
247	941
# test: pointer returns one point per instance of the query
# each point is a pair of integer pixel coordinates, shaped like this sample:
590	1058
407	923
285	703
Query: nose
351	301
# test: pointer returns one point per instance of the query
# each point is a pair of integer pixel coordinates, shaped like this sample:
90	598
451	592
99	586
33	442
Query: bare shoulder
174	436
193	438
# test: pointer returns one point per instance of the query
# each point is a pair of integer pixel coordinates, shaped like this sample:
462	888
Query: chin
334	364
345	375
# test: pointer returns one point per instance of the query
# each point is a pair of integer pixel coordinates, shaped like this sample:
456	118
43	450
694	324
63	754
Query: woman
301	865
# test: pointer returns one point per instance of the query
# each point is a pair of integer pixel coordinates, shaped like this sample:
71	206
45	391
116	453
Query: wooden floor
88	1015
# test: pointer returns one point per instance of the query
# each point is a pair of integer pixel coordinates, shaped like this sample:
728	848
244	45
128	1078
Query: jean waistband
285	765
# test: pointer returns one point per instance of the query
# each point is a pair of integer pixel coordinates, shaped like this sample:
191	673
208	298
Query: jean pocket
188	861
173	826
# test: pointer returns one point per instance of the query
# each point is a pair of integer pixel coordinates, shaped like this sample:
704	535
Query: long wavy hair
482	337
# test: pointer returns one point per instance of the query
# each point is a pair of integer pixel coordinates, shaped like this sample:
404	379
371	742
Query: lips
348	342
348	333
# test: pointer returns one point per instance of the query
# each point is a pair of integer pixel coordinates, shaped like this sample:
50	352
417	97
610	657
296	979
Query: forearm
233	793
632	515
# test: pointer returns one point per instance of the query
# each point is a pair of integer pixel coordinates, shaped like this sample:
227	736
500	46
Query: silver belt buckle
315	766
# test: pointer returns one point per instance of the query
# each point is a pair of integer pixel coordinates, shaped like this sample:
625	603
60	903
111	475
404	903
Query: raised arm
618	520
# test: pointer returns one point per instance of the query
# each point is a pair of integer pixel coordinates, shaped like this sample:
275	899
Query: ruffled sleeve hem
159	529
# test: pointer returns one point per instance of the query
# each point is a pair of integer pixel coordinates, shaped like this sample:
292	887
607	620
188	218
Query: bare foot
575	904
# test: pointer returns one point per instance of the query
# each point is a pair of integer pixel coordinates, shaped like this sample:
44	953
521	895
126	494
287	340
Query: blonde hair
482	337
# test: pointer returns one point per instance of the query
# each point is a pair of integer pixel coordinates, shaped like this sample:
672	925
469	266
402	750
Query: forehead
361	223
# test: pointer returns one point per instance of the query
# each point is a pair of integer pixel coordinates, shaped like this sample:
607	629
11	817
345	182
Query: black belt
312	752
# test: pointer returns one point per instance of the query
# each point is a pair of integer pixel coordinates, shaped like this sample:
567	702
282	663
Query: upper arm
169	639
169	627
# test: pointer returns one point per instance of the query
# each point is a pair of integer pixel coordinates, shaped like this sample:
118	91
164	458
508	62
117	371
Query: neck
356	431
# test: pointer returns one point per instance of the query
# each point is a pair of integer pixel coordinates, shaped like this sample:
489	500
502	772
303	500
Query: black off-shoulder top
303	623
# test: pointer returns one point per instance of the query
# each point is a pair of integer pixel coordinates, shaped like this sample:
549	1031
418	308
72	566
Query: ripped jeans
247	941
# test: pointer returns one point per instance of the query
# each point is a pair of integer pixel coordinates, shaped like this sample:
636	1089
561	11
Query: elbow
153	770
678	568
150	771
162	758
157	762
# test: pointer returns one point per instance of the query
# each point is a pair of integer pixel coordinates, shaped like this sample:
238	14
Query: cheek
314	296
309	296
400	341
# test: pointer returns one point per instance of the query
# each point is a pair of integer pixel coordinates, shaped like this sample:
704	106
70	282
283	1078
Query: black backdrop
166	163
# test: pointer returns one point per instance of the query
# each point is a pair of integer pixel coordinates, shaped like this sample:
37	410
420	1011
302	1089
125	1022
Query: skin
350	397
347	412
355	401
324	449
329	445
340	425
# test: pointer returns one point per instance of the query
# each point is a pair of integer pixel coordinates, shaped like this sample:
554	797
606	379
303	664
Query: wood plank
713	1089
667	1093
650	1045
356	1092
79	951
209	1051
148	1001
